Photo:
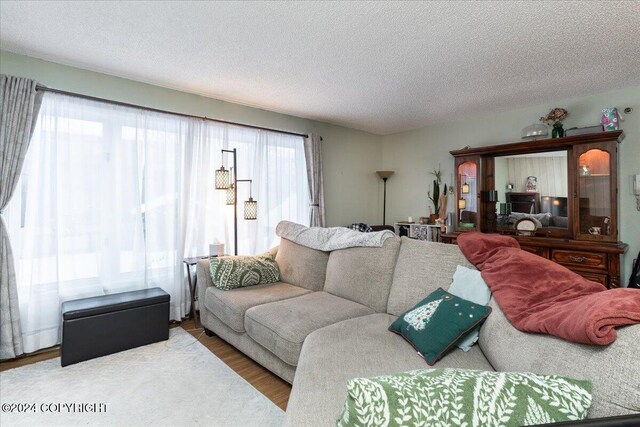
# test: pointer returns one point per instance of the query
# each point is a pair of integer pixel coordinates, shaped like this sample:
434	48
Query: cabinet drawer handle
577	258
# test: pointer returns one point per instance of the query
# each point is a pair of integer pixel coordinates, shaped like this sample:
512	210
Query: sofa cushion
302	266
464	397
422	268
363	275
282	326
438	322
613	370
230	306
360	347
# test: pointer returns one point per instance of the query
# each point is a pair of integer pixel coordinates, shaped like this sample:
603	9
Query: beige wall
351	157
414	154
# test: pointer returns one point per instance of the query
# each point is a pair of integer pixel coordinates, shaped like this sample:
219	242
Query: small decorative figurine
532	184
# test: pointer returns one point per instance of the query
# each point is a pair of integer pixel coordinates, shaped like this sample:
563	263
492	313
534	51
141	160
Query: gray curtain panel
313	155
19	106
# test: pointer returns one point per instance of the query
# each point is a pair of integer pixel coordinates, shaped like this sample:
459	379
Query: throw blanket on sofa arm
538	295
330	239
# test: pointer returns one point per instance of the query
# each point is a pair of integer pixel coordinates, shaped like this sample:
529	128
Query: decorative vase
558	131
432	218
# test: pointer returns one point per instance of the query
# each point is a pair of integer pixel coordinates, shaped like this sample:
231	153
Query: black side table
192	285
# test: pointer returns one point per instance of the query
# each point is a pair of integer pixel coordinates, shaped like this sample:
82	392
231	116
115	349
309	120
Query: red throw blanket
538	295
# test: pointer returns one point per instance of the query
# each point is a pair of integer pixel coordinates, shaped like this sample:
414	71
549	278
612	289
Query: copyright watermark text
54	407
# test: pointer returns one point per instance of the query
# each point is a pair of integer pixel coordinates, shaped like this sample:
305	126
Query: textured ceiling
381	67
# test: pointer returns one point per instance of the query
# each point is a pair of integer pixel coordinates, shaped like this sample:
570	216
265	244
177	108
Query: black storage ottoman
97	326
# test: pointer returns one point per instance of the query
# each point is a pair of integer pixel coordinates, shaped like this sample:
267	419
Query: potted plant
438	199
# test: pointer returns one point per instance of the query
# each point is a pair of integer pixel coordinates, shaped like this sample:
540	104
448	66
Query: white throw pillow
468	284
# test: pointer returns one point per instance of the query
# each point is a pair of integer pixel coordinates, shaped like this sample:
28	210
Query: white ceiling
382	67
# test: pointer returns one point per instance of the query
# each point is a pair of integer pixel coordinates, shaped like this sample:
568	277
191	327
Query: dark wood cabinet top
541	145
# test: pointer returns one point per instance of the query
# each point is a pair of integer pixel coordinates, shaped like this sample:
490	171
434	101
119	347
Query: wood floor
274	388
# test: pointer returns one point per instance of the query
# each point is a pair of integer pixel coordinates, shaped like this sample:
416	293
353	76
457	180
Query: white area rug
175	382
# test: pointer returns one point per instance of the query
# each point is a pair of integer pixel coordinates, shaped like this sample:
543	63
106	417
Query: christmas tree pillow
438	322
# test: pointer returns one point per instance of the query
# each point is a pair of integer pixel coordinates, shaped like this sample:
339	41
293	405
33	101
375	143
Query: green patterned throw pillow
464	397
438	322
231	272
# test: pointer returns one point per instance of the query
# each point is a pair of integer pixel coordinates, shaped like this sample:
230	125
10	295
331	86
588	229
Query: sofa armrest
273	251
203	273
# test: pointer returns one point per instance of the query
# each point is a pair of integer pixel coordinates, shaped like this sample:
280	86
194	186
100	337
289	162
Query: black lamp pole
385	175
384	203
223	177
235	200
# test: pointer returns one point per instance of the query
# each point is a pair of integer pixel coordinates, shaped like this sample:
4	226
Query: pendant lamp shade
465	188
250	209
231	195
462	204
223	178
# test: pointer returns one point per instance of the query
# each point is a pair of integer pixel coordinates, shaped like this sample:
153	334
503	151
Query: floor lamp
385	175
227	179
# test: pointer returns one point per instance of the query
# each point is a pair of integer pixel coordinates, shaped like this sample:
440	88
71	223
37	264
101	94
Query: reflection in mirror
468	190
533	186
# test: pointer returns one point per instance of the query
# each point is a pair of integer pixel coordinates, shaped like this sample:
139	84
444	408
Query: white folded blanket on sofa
330	239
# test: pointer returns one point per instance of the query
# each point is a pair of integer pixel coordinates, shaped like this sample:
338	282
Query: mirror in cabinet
533	186
595	193
467	208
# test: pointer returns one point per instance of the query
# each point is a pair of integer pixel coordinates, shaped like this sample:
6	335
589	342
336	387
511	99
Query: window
113	198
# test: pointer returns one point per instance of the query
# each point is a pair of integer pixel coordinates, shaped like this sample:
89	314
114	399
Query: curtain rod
157	110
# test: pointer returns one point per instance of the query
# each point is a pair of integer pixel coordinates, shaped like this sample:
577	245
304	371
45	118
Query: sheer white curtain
113	198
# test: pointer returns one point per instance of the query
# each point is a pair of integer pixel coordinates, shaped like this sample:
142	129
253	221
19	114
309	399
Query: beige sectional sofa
327	321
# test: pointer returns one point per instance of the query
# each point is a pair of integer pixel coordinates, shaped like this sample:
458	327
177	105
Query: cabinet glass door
467	196
595	194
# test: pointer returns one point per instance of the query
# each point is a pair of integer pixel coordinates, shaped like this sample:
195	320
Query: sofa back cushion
613	370
363	275
422	268
302	266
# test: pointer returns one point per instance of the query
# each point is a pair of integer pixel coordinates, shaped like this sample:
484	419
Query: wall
351	157
412	155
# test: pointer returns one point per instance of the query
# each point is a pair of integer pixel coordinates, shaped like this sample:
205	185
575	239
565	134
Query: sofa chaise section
354	348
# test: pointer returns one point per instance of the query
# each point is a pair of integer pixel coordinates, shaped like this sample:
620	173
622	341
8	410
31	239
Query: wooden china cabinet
573	188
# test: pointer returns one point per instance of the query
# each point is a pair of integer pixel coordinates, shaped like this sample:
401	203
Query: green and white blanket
463	397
